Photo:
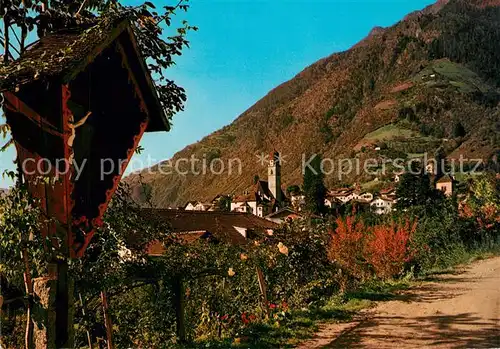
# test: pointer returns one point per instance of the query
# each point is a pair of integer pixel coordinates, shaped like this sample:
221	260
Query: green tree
223	203
415	189
314	187
25	253
458	130
441	164
483	202
292	190
256	179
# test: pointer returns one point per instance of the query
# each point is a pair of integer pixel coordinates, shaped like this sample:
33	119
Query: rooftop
60	56
220	225
60	53
445	179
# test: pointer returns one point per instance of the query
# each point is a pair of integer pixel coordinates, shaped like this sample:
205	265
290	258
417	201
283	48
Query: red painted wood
46	184
16	105
97	222
55	197
131	78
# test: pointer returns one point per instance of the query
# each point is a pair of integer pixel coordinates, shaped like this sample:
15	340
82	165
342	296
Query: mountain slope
434	70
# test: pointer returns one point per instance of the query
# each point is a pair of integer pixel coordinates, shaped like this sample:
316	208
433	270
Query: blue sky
245	48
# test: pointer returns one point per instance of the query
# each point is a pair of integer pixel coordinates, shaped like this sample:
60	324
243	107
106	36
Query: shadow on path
457	331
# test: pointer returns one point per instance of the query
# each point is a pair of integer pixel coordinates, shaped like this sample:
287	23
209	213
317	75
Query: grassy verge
462	259
299	325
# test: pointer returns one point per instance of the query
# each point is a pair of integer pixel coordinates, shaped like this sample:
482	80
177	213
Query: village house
388	193
259	201
198	206
189	206
382	205
343	195
354	195
445	184
203	206
430	168
283	215
242	206
298	201
331	201
365	196
266	196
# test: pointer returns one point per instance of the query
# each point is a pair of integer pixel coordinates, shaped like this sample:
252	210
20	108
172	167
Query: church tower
274	176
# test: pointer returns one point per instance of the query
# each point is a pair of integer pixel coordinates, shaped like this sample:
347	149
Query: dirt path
460	310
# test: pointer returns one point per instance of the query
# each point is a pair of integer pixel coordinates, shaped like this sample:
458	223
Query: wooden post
107	320
64	307
45	290
179	294
28	283
263	290
28	337
89	338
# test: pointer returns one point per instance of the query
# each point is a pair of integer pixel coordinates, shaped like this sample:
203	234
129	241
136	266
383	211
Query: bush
388	248
304	275
346	246
381	250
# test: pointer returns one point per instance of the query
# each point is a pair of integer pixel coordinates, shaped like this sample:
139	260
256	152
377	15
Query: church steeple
274	175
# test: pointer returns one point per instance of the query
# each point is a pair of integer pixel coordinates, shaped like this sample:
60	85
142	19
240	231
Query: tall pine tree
415	189
314	187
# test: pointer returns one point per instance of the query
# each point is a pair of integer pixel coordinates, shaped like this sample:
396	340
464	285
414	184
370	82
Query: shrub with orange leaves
388	248
346	245
356	247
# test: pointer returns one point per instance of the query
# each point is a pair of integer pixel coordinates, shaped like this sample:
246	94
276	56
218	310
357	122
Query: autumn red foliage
486	216
382	249
346	245
387	249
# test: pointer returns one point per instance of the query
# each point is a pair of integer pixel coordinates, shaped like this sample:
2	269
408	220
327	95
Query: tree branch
170	12
127	288
24	34
12	300
6	145
6	42
15	34
11	46
81	8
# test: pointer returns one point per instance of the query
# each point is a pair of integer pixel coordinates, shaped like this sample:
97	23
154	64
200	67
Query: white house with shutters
382	206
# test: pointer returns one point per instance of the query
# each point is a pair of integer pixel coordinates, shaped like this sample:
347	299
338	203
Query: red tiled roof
445	179
387	190
284	212
340	192
156	248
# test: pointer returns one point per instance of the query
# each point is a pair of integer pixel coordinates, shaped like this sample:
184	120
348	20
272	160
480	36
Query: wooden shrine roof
59	53
60	56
